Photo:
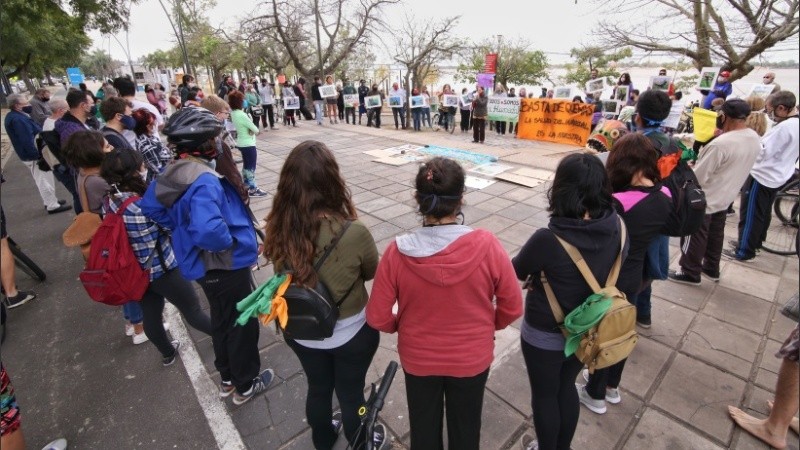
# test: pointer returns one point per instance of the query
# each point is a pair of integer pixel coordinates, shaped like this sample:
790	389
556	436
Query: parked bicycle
782	236
447	120
369	413
25	263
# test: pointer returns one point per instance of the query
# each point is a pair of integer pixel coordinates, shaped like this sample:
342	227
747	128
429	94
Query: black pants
605	378
235	347
180	293
269	112
478	130
288	117
755	213
305	112
399	112
344	370
257	118
703	249
554	398
500	127
374	117
427	396
465	119
350	112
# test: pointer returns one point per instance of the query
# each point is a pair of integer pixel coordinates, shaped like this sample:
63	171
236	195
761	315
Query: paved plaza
710	346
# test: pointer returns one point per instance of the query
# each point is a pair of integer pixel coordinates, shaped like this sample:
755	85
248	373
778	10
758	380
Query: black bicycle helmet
191	127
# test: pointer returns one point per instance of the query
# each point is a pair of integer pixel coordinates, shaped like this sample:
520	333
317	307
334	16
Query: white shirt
49	124
779	152
265	92
138	104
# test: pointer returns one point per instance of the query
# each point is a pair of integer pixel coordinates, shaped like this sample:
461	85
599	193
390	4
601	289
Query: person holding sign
350	106
288	114
374	113
722	89
399	110
416	112
331	105
479	114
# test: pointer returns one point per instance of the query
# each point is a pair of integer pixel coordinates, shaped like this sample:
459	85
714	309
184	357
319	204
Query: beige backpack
613	338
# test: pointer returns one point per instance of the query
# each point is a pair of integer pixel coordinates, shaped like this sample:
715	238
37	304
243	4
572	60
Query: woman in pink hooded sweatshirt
454	287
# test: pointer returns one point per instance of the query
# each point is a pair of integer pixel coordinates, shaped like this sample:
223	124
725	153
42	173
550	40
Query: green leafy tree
100	64
516	62
591	58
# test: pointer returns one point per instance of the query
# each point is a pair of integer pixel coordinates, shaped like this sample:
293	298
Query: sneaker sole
709	277
226	394
646	326
690	283
18	304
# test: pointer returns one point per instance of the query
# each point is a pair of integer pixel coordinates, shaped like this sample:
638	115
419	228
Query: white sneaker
58	444
129	330
595	406
140	338
612	394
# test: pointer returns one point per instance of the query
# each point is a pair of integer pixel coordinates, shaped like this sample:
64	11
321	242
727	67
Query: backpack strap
576	257
586	272
331	246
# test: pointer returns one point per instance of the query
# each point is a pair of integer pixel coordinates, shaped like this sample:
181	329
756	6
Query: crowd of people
444	288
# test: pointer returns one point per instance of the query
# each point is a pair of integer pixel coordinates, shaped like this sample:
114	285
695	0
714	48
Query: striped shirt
143	234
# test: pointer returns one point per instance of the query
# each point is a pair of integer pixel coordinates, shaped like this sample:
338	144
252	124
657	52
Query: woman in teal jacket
246	133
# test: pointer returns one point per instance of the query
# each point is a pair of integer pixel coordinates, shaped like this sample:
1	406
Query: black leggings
344	370
463	397
553	395
180	293
602	379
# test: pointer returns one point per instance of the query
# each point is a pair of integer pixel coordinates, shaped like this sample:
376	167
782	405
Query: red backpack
112	274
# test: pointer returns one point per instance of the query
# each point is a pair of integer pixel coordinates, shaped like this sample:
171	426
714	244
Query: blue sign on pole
75	76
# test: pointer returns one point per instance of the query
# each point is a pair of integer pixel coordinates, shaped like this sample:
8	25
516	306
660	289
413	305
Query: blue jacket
22	131
211	227
721	90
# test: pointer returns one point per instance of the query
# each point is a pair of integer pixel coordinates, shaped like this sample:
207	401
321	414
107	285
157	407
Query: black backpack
313	312
688	199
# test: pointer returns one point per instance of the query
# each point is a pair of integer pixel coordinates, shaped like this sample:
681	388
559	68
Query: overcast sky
553	26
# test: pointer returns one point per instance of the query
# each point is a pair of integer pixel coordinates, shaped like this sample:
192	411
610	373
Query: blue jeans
417	114
318	111
426	115
656	268
133	312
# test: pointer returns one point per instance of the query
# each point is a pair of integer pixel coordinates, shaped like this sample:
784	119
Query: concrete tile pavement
710	345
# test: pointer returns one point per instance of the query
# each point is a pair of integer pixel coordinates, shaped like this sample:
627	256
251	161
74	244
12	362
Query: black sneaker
336	422
379	438
680	277
168	360
20	299
713	276
60	209
260	384
731	255
60	203
735	245
644	322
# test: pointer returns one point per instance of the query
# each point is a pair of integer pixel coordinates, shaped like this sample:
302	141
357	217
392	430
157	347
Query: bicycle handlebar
376	404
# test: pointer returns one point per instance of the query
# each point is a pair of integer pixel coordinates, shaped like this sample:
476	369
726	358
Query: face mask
720	122
46	99
128	122
143	174
721	80
27	109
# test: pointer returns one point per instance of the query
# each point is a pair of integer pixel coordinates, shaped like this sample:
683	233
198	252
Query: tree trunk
27	80
49	77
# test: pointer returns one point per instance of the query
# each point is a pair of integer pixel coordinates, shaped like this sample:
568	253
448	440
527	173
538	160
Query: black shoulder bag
313	312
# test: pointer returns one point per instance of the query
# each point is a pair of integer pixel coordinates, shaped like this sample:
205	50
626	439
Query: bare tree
317	43
419	45
733	32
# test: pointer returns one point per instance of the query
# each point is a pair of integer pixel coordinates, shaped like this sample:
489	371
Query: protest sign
761	90
563	92
396	101
486	80
327	91
291	102
449	100
417	101
503	109
350	100
660	83
708	76
373	101
490	63
555	121
674	117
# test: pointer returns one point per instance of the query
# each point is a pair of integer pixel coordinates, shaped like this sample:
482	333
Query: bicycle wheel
25	263
786	208
782	236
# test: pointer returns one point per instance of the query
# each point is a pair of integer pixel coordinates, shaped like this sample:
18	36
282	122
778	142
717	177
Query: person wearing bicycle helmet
214	242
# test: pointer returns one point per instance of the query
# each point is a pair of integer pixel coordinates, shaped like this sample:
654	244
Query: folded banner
486	80
503	109
555	121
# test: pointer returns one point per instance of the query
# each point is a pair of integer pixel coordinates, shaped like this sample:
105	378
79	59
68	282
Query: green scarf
260	300
583	318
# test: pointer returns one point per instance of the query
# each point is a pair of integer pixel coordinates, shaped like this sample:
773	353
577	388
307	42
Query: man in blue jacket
722	89
22	131
214	242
